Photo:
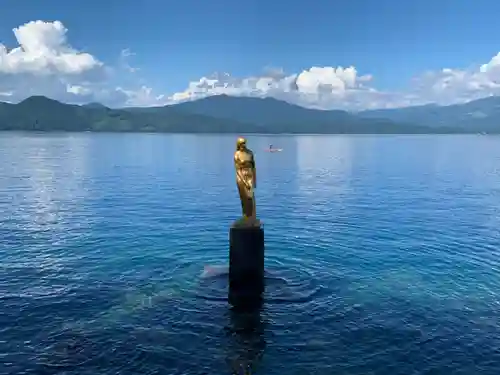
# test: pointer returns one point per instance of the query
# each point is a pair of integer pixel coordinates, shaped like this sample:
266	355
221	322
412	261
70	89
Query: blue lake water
382	255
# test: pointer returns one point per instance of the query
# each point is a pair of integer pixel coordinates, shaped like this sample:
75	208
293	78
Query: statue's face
241	143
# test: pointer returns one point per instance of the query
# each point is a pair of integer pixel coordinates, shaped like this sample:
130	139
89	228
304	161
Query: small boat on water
271	149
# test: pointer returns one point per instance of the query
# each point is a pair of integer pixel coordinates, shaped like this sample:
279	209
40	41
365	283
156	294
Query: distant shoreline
225	115
236	133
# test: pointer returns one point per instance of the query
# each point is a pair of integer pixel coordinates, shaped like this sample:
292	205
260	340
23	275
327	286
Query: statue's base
246	264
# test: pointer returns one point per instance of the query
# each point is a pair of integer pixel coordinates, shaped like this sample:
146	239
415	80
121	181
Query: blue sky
175	43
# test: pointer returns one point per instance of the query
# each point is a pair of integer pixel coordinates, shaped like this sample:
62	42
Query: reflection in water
404	276
324	161
247	343
212	155
245	326
51	183
276	175
45	177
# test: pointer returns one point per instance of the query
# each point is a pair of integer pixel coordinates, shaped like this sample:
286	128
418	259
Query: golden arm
254	172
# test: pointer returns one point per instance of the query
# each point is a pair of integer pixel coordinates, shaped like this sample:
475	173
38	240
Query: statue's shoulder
239	156
243	155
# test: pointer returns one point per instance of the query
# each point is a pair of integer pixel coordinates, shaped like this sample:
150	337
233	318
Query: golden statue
246	178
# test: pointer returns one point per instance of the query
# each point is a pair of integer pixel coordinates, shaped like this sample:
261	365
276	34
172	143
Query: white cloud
125	56
311	87
142	97
45	63
329	87
317	87
78	90
43	50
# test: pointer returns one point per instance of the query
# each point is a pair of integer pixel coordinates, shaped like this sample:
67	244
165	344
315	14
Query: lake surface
382	255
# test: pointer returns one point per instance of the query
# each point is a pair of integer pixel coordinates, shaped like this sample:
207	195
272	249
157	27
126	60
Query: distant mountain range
226	114
482	115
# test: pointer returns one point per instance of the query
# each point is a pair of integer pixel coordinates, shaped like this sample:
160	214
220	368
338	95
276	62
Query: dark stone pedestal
246	265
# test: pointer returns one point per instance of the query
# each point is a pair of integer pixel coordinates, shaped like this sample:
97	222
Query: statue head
241	143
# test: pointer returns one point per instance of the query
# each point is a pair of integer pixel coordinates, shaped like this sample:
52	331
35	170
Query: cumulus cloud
44	63
316	87
311	87
142	97
455	85
345	88
43	50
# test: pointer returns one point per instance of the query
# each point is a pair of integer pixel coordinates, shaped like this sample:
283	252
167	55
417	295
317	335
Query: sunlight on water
381	255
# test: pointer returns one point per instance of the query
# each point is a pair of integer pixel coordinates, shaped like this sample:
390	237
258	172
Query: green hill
219	114
43	114
482	115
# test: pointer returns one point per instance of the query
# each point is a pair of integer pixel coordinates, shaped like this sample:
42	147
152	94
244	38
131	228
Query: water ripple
116	262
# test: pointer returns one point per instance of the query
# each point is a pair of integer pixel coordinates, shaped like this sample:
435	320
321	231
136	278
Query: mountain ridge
481	115
231	114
